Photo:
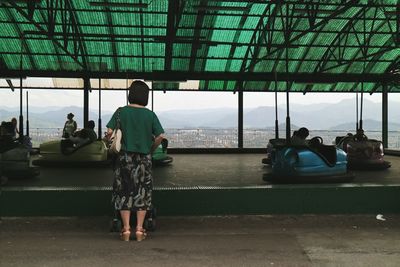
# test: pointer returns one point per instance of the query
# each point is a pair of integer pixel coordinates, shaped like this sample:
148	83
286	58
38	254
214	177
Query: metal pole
99	120
86	82
276	108
361	105
27	114
385	116
152	99
287	76
127	91
240	116
21	117
356	111
362	100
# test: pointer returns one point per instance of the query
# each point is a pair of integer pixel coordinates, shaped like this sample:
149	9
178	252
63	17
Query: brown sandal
125	234
140	234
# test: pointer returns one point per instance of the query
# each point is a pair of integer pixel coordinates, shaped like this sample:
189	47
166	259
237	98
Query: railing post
384	116
240	119
86	82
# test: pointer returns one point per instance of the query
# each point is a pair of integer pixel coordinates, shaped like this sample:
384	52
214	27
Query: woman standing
133	181
70	126
15	128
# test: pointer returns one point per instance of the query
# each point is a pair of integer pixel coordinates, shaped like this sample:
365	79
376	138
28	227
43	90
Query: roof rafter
111	30
323	21
23	40
48	33
335	44
175	9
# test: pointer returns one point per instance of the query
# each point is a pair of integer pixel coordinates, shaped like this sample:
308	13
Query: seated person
7	140
360	136
86	135
15	128
299	137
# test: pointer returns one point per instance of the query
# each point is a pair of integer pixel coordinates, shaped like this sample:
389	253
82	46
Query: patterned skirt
133	182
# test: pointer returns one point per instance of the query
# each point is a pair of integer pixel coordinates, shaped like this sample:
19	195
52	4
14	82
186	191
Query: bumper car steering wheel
316	141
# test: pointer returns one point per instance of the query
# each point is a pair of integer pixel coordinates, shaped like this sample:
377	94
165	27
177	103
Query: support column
21	117
240	118
385	116
86	88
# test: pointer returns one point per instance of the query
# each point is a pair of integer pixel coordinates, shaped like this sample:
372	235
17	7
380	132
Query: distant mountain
343	112
54	118
31	109
370	125
197	118
338	116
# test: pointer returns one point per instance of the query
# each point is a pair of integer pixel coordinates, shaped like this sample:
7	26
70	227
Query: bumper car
15	158
362	153
270	148
65	152
313	163
160	156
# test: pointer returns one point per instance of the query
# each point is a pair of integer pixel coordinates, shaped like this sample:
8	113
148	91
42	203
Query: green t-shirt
139	126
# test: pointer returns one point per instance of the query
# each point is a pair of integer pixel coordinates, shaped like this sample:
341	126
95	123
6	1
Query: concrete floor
194	170
360	240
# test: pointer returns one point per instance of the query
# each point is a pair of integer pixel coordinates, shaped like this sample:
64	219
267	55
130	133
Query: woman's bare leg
125	216
126	230
140	233
140	214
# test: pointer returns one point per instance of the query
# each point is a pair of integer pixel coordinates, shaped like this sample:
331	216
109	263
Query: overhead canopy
226	45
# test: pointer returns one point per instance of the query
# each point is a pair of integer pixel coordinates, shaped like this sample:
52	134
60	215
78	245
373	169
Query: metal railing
222	137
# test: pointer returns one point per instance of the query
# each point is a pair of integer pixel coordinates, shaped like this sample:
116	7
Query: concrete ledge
198	200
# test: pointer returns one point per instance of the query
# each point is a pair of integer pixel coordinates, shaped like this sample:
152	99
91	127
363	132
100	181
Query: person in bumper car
84	136
299	137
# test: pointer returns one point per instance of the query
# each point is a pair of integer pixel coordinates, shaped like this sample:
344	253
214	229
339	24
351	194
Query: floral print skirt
133	182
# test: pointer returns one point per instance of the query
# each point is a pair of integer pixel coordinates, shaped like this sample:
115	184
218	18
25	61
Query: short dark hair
303	132
91	124
138	93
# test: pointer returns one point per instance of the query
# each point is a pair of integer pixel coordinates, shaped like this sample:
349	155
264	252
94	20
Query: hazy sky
163	101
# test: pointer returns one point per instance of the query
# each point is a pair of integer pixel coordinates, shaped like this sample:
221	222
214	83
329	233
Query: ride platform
203	184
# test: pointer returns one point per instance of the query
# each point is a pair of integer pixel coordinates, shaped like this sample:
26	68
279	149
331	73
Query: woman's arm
108	134
157	142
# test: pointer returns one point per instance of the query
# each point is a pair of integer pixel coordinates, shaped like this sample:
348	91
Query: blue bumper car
271	147
315	163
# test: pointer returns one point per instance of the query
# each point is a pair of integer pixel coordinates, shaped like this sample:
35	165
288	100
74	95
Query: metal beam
235	40
161	39
113	43
196	37
215	57
218	76
43	31
321	3
175	9
21	36
182	27
76	28
325	20
260	32
9	82
335	44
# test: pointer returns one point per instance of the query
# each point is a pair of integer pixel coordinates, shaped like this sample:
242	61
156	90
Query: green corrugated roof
234	37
